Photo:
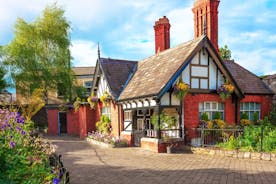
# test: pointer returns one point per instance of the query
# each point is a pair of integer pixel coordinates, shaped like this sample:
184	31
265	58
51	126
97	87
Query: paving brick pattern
91	164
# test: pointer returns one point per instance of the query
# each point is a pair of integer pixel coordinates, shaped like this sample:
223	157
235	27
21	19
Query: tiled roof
155	72
248	82
117	73
84	70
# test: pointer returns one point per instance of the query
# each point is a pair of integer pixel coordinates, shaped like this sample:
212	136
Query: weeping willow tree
39	54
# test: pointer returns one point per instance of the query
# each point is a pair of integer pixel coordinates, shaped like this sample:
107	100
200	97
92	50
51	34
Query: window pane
252	106
195	83
257	106
207	106
251	115
214	106
241	106
246	106
220	106
201	108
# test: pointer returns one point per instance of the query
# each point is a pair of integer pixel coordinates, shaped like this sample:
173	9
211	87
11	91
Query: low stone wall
234	153
98	143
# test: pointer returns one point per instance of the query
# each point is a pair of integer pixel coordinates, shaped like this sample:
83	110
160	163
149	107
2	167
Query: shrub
245	122
104	125
23	157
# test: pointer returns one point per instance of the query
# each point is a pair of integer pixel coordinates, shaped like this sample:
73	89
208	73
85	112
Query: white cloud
84	53
259	61
182	25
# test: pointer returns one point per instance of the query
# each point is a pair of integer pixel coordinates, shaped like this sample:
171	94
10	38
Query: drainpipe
119	119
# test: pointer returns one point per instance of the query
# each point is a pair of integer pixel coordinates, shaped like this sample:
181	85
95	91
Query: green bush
104	125
23	157
251	140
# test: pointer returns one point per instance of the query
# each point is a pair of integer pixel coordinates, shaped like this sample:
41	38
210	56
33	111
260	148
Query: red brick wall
162	34
87	120
116	119
209	8
72	118
191	110
265	101
128	136
52	121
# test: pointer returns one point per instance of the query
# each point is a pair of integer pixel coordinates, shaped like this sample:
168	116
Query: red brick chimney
162	34
206	19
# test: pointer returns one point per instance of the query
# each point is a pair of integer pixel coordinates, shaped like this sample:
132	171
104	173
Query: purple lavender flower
18	128
23	132
56	181
12	144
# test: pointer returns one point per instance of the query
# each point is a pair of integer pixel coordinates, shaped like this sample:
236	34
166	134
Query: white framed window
251	109
107	111
211	109
127	115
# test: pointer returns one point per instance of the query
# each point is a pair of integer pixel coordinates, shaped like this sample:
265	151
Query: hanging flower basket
225	90
180	89
105	98
92	100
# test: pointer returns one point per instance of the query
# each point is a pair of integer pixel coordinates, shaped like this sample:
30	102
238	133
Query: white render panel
124	106
195	83
195	60
204	58
102	87
127	127
212	74
175	100
199	71
220	79
165	100
186	75
203	83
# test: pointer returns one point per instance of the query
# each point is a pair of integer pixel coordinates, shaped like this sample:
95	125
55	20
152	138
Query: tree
225	52
39	54
3	83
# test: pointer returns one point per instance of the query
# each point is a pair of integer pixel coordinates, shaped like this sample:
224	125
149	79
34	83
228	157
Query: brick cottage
143	93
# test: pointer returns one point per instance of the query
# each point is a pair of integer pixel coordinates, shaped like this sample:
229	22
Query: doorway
62	123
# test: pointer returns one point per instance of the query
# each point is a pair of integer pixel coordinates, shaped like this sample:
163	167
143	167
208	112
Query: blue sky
124	28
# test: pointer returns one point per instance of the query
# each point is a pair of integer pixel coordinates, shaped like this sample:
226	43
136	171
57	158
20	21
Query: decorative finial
99	52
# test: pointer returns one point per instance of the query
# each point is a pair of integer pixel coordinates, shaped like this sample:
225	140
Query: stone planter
256	156
247	155
98	143
266	156
273	157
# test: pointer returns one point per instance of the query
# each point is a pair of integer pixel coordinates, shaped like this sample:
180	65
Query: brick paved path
90	164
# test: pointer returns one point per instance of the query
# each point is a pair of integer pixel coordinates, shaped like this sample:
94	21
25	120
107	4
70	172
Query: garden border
234	153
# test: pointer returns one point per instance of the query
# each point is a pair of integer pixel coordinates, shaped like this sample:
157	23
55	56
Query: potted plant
180	89
225	90
105	98
92	100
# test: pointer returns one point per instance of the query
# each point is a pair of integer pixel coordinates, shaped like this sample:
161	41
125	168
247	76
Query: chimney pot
162	34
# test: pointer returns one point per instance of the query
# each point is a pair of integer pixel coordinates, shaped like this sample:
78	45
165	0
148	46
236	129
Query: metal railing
211	137
167	133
